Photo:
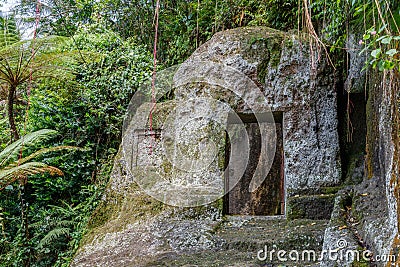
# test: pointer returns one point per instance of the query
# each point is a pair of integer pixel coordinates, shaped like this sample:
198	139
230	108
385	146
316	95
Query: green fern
53	235
8	31
10	175
63	221
13	169
33	60
10	153
54	224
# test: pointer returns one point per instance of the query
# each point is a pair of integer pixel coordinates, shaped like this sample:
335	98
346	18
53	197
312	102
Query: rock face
369	209
258	73
383	145
281	65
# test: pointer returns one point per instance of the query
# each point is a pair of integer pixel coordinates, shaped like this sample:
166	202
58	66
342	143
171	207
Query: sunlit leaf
391	52
375	53
387	40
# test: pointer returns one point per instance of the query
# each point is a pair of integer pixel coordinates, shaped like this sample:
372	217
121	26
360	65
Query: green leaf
11	152
8	31
375	53
391	52
53	235
11	174
373	63
381	65
387	40
388	65
366	36
381	38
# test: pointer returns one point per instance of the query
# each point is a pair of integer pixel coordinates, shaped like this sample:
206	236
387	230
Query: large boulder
250	70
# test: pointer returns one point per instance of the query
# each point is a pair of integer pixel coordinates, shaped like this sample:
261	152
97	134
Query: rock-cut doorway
269	198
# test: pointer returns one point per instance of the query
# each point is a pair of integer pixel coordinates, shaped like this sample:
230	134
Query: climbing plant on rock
383	48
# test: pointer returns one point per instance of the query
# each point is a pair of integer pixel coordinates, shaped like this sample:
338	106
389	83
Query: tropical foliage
21	64
77	79
15	166
9	32
13	169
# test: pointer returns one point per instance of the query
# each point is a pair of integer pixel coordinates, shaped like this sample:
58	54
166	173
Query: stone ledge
315	207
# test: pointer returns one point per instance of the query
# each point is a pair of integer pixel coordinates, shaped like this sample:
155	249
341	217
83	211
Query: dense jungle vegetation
63	95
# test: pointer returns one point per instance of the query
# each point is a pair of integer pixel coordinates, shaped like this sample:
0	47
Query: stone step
229	258
255	233
243	237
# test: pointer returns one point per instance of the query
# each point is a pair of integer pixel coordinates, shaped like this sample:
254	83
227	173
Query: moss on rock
315	207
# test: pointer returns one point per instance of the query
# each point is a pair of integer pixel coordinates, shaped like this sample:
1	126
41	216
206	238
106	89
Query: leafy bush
87	109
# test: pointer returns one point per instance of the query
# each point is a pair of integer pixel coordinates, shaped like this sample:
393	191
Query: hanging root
315	41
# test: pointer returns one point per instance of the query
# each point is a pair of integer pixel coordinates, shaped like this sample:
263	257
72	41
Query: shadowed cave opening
352	128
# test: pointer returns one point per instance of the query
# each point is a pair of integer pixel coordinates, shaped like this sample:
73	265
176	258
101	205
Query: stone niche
253	113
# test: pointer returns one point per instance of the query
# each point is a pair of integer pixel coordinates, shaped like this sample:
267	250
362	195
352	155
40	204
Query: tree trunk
10	105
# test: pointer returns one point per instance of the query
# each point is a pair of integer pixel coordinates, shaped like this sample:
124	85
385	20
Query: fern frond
11	152
9	175
67	210
41	45
52	236
42	152
53	224
64	223
8	31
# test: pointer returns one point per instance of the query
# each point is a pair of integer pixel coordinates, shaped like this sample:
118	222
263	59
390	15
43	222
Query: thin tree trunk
11	120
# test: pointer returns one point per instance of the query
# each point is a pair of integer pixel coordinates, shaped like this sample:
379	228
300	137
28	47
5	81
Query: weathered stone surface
268	199
384	122
338	237
356	75
130	228
242	242
280	65
372	221
315	207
